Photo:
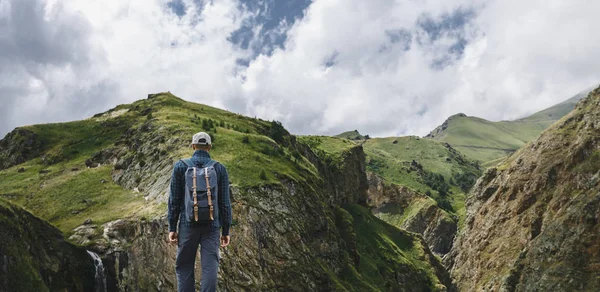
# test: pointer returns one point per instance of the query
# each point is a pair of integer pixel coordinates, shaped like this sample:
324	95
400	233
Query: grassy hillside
117	165
426	166
385	250
352	135
490	142
65	186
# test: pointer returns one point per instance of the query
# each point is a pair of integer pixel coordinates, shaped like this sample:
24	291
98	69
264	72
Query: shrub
245	139
263	175
277	131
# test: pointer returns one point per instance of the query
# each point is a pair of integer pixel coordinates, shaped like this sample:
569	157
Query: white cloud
345	65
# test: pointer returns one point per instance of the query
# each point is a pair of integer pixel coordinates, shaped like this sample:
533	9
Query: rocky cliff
412	211
34	256
533	223
288	237
299	219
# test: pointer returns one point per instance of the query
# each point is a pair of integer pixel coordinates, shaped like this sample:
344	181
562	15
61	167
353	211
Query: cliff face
533	223
19	146
35	257
409	210
288	237
299	217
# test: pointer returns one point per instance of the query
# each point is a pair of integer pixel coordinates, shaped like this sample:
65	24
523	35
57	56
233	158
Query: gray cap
201	138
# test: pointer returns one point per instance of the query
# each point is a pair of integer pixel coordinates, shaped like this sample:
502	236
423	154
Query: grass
396	216
491	142
66	198
384	251
352	135
68	192
58	187
391	158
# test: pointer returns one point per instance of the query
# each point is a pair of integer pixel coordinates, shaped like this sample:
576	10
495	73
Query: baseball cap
201	138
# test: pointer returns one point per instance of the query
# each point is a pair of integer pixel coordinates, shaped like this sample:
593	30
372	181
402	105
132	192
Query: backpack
201	189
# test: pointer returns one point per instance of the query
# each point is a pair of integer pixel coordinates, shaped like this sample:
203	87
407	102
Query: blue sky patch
177	6
448	25
270	14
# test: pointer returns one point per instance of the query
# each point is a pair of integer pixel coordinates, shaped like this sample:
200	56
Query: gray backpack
201	199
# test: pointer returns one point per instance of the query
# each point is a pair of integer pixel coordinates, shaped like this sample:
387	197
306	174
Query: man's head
201	141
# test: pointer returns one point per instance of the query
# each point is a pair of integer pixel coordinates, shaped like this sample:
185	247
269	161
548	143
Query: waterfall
100	282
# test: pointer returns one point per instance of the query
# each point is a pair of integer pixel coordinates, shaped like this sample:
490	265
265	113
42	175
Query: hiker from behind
199	203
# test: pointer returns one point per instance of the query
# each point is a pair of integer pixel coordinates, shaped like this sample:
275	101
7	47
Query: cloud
385	67
402	67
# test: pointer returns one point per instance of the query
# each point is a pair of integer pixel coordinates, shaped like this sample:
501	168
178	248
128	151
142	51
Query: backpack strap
188	162
195	197
211	163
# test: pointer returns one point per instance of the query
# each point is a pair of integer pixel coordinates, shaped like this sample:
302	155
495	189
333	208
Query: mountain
301	219
352	135
489	142
414	184
533	221
424	166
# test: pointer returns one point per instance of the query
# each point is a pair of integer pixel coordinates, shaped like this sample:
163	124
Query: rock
75	212
21	169
74	169
532	223
87	222
102	181
43	171
389	201
106	156
36	256
19	146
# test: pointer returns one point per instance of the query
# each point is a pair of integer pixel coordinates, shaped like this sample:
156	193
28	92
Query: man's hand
225	240
173	237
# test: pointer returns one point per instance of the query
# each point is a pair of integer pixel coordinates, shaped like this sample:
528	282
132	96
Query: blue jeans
189	239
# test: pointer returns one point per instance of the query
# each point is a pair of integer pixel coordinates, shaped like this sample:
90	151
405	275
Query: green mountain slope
352	135
291	203
489	142
425	166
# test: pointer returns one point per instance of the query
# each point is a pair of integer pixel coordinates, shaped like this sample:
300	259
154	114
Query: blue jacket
176	203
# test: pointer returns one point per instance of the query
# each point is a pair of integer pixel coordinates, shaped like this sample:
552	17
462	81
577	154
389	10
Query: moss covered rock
35	257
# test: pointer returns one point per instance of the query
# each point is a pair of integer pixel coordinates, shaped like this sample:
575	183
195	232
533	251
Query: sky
383	67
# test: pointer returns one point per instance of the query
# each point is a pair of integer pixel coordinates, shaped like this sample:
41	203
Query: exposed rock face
533	224
19	146
407	209
286	238
303	228
346	182
35	257
142	160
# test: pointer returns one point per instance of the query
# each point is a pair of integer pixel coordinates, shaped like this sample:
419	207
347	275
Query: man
192	234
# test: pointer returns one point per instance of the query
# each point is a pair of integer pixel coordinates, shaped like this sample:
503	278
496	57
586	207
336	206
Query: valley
318	213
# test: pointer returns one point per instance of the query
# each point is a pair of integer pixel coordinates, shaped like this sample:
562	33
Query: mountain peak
353	135
439	131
